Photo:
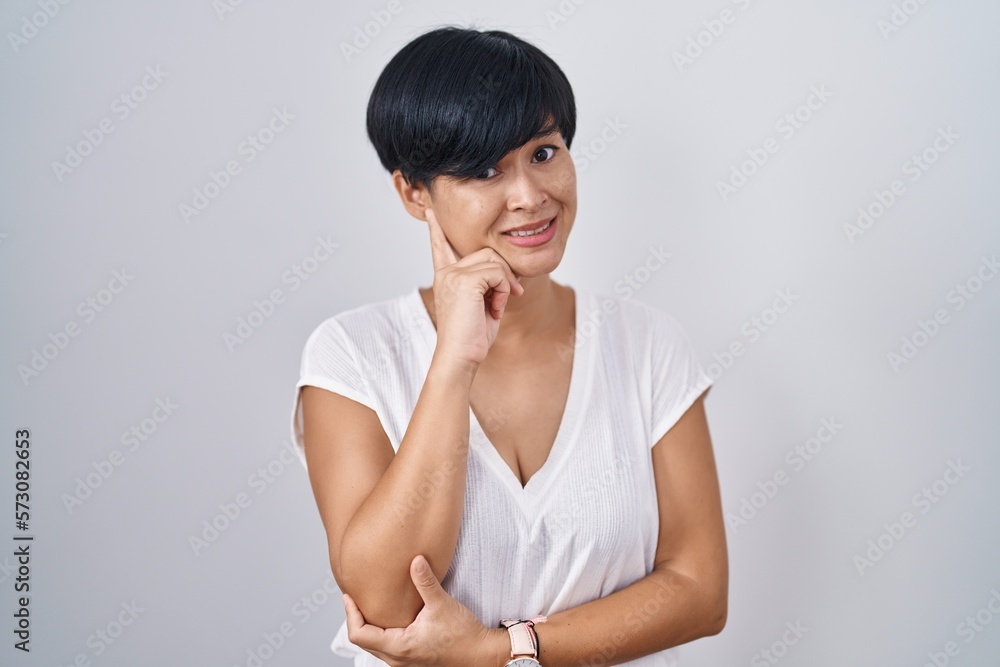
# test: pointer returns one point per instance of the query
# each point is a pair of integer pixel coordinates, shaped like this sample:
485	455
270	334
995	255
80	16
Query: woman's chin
534	269
533	264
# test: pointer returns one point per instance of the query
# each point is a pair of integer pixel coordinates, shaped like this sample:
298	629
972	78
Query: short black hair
455	100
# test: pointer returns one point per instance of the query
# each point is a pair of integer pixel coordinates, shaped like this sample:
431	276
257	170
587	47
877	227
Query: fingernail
421	564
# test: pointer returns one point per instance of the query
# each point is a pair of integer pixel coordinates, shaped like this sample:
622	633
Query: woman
553	467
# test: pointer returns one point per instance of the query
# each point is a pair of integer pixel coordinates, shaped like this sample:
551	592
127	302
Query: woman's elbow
718	620
718	613
382	602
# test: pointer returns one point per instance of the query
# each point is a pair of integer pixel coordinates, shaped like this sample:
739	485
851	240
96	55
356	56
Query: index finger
361	632
442	252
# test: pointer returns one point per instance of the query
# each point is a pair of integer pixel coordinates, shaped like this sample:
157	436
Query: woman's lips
534	239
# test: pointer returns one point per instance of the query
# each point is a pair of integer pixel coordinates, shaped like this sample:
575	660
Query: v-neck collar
581	379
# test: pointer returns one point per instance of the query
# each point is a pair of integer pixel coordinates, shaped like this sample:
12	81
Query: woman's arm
684	597
381	508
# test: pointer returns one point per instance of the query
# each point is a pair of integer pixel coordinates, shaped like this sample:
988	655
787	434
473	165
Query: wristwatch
523	643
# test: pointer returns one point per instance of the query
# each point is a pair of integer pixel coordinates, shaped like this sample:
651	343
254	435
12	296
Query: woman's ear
415	198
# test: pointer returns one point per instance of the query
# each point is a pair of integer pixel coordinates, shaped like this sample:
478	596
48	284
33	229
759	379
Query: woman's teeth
533	232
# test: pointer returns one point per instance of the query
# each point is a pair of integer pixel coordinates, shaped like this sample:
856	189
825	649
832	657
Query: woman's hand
444	634
469	296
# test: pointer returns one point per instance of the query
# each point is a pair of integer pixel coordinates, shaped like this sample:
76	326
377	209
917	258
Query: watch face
523	662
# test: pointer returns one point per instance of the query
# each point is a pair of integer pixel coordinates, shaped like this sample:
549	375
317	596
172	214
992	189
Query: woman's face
531	184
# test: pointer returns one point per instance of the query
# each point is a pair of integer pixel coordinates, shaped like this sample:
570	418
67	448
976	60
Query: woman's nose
526	192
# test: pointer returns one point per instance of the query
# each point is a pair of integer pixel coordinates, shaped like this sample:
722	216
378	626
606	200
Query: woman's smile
533	238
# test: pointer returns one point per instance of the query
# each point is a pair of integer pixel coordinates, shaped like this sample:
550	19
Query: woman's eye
485	175
547	148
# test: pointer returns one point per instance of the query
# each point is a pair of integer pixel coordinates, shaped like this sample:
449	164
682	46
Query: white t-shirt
587	522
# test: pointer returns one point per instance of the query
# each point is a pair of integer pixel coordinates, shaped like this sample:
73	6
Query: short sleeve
329	361
677	376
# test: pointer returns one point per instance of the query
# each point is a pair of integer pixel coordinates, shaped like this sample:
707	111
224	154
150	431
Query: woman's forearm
661	610
417	505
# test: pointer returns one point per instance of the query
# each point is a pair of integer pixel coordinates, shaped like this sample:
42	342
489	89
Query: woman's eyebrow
541	134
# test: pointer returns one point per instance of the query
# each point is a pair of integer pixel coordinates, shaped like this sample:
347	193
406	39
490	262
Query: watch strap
522	637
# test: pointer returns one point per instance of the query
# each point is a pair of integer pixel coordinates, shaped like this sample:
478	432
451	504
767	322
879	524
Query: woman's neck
533	314
528	317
